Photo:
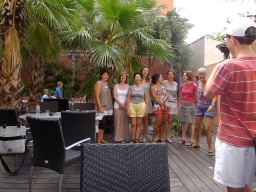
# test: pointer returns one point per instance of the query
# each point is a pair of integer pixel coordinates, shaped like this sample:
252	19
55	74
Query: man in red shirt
234	80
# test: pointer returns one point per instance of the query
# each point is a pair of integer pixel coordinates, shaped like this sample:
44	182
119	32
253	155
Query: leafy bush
176	126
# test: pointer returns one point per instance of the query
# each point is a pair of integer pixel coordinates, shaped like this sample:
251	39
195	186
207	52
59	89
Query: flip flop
210	153
168	140
181	141
195	146
190	144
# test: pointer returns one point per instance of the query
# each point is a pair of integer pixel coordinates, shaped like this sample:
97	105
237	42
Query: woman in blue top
205	109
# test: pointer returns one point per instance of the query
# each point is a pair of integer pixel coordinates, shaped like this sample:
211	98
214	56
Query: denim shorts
202	112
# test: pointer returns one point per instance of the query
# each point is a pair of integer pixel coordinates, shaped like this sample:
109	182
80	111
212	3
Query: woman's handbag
12	140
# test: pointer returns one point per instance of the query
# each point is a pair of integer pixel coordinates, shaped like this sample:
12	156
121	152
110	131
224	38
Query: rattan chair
12	119
84	106
125	167
78	125
49	147
49	105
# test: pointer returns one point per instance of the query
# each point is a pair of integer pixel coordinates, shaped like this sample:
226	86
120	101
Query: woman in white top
121	119
172	88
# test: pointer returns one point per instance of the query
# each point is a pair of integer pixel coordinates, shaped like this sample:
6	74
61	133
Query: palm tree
12	31
114	37
39	44
42	45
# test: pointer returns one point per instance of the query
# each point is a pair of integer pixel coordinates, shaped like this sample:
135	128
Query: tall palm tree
42	44
114	37
37	41
12	31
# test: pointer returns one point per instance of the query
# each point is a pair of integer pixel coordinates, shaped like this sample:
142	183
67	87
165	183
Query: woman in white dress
121	119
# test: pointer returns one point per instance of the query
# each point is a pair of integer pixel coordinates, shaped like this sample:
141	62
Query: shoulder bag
12	141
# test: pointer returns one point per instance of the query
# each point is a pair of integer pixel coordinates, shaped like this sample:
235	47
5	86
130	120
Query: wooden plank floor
190	170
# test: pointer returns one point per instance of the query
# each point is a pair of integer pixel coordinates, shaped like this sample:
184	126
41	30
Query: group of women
134	102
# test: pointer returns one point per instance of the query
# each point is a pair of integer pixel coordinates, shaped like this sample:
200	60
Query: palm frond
52	14
46	45
124	13
76	39
88	6
145	5
90	80
134	65
147	46
105	54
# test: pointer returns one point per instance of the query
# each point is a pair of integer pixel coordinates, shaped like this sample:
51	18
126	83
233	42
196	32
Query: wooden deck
190	170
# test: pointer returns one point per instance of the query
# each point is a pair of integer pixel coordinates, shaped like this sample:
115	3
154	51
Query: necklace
106	85
137	88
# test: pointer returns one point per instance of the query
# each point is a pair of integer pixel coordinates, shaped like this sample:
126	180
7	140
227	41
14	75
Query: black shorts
103	123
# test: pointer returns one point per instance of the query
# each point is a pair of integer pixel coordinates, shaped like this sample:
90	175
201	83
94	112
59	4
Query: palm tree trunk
13	23
10	77
35	67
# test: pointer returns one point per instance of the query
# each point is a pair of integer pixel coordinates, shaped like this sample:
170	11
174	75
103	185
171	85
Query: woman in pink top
188	102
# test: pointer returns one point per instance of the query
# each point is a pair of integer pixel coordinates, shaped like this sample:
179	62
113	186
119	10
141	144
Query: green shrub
176	126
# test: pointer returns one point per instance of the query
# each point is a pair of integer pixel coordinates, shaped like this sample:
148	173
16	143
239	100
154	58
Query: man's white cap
239	26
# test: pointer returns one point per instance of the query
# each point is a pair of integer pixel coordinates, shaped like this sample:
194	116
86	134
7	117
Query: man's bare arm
208	94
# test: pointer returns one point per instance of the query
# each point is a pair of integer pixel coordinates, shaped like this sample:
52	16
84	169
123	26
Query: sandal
210	153
132	141
136	141
159	141
182	141
143	141
190	144
195	146
116	142
168	140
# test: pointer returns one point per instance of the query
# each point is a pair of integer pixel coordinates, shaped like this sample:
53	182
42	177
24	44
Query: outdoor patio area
190	170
